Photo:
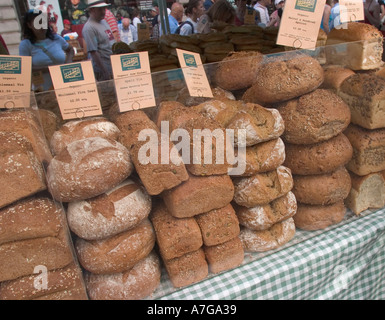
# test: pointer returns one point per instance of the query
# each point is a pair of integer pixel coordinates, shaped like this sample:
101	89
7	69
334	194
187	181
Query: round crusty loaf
318	158
117	253
314	117
81	129
87	168
280	79
238	70
316	217
265	216
270	239
134	284
321	189
110	213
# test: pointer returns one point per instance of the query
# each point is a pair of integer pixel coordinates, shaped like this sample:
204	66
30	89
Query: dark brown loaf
318	158
317	217
218	225
198	195
314	117
81	129
218	93
262	188
134	284
21	173
117	210
334	76
322	189
368	150
281	79
265	216
87	168
50	122
117	253
174	236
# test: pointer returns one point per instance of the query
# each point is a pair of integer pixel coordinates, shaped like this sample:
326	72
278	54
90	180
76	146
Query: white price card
76	90
194	74
300	23
15	81
351	10
133	82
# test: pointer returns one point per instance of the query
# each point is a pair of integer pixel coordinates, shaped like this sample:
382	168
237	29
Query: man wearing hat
99	39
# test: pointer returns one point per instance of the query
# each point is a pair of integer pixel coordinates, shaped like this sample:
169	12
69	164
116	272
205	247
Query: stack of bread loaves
37	260
107	209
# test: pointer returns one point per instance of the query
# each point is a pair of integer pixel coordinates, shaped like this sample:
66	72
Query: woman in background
221	10
193	11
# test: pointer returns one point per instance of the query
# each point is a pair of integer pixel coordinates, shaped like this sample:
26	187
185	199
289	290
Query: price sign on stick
76	91
300	23
15	81
351	10
133	82
194	74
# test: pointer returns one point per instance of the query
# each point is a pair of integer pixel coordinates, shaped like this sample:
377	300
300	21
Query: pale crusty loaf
317	217
262	188
276	236
174	236
187	269
218	225
33	232
265	216
188	101
318	158
368	150
199	195
155	174
134	284
117	253
367	192
364	93
117	210
314	117
334	76
21	173
281	79
81	129
238	70
87	168
224	256
356	45
322	189
62	284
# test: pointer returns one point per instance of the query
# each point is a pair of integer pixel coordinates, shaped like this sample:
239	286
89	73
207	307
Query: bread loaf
87	168
356	45
270	239
265	216
218	225
281	79
81	129
134	284
367	192
188	101
318	158
199	195
322	189
262	188
21	173
368	150
317	217
334	76
365	96
117	210
117	253
50	123
174	236
314	117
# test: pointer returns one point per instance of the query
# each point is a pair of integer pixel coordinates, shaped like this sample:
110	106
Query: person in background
127	31
67	27
326	17
335	15
207	4
155	22
261	7
175	17
3	46
135	18
111	20
193	11
221	10
45	47
372	13
118	17
279	4
99	39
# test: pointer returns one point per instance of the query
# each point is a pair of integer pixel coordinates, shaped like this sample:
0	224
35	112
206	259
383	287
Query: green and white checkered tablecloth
346	261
